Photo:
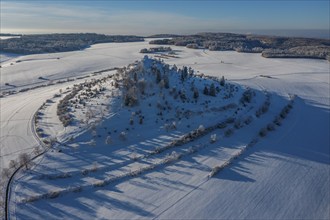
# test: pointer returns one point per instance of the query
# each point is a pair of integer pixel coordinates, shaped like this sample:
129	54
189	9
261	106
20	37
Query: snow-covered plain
286	175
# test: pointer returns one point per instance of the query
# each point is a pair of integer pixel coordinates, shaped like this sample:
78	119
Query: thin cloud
53	18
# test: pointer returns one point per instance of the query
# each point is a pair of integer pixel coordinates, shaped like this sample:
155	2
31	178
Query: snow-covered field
284	175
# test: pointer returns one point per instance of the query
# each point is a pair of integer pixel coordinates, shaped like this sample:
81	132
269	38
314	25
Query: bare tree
36	150
13	164
5	173
24	159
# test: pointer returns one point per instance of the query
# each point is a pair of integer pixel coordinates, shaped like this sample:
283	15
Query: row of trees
285	47
52	43
23	160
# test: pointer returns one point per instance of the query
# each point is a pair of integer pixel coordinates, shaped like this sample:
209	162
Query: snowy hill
140	143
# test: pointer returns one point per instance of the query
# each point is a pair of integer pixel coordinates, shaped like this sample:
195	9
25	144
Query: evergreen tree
206	91
196	93
167	82
158	76
135	77
222	81
212	91
184	73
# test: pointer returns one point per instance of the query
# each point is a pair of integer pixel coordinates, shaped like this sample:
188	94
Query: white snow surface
286	175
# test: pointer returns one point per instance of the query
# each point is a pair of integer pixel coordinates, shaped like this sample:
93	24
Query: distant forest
52	43
269	46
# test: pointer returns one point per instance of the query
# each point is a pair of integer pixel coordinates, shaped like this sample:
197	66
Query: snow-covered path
16	117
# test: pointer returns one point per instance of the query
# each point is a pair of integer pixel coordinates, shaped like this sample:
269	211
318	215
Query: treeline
10	35
321	52
156	50
52	43
269	46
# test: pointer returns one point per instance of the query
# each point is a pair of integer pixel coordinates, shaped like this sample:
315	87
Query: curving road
16	114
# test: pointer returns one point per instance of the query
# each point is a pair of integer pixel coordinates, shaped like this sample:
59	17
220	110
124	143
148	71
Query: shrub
172	157
248	120
142	84
53	194
95	167
123	136
206	91
196	93
12	164
99	183
278	121
229	132
263	132
192	150
108	140
270	127
92	143
238	124
201	129
75	189
247	96
85	172
157	150
213	138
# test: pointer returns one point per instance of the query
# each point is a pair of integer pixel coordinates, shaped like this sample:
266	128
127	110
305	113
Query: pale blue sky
157	16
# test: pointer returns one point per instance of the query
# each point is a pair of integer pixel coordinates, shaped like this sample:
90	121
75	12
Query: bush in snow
213	138
99	183
196	93
247	96
200	129
13	164
142	84
157	150
229	132
123	136
278	121
94	167
192	150
212	91
84	172
238	124
172	157
270	127
75	189
108	140
92	143
53	194
206	91
248	120
130	98
170	126
214	171
263	109
263	132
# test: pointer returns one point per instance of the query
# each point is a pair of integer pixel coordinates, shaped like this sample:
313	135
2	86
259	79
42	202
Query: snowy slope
284	176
